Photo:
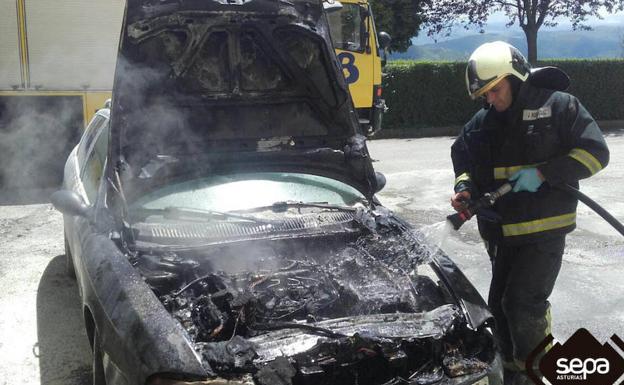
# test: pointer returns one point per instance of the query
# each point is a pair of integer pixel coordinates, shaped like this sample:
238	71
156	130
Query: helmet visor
475	83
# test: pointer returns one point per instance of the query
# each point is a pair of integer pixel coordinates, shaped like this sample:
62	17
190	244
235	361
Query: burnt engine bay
350	309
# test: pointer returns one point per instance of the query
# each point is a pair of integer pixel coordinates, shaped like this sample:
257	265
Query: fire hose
473	207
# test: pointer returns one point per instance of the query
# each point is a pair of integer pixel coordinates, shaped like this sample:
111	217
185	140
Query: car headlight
163	380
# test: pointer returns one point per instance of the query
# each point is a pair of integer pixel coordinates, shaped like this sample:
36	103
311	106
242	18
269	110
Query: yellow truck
63	49
40	40
57	60
359	50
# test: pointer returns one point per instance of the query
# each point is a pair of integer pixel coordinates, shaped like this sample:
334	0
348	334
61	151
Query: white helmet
492	62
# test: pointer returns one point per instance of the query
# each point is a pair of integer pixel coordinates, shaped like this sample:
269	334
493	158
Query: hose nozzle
457	219
472	207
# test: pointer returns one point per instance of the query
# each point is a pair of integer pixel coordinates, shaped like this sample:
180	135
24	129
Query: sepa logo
578	369
581	360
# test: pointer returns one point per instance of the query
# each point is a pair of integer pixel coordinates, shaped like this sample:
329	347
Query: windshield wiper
179	212
282	206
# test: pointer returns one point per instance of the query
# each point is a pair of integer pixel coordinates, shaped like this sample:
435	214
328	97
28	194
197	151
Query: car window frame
100	130
92	131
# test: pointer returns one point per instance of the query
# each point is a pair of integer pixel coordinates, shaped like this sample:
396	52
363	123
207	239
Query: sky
609	19
497	21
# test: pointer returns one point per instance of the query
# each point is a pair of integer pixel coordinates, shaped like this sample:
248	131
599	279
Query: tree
400	18
442	15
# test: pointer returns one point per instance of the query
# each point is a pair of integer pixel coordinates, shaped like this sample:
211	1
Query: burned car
222	224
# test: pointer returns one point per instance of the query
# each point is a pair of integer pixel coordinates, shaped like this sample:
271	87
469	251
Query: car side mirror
380	181
70	203
384	40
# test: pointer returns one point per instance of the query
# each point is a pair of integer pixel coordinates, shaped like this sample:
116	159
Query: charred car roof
231	86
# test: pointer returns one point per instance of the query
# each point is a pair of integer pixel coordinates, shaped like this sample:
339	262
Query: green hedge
433	94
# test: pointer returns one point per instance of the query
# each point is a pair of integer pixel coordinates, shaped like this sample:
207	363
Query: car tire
98	363
69	263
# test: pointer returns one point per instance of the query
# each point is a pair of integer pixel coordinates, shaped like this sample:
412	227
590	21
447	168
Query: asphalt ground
589	292
42	336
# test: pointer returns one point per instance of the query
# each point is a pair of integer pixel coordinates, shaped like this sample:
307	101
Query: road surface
42	337
590	290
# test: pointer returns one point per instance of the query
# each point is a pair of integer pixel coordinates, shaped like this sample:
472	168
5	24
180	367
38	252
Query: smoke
66	51
147	117
36	135
259	258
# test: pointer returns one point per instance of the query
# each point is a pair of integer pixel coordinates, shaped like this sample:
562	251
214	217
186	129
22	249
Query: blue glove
526	179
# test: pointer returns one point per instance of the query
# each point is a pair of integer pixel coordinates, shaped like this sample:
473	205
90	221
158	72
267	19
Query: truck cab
359	51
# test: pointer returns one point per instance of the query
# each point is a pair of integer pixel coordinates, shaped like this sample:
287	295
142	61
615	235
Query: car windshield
241	192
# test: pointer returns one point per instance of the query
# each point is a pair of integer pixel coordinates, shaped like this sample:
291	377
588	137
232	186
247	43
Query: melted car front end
317	306
240	197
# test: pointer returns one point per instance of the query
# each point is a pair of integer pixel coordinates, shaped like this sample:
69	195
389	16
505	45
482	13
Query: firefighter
536	136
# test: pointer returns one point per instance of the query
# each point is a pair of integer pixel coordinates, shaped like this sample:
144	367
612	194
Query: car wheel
69	264
98	365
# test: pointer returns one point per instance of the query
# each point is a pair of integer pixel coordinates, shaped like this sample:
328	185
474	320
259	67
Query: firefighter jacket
546	129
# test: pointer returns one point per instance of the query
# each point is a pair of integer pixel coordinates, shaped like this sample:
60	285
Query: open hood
206	87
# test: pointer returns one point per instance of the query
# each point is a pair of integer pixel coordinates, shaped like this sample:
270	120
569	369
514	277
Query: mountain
602	42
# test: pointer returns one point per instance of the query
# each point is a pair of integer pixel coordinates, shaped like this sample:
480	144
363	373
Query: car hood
215	86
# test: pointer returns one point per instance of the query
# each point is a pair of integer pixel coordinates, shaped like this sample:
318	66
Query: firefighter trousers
523	278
